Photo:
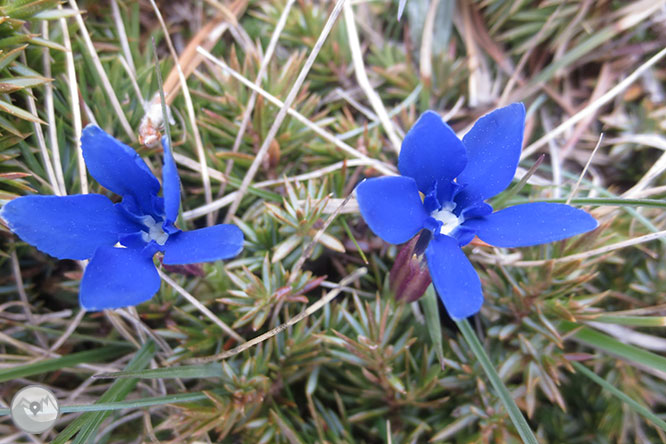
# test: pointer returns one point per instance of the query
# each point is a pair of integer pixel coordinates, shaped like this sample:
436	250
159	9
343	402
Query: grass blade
48	365
431	313
635	406
135	403
213	370
87	424
606	343
516	416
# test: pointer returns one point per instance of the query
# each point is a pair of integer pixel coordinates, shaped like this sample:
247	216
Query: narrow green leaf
313	379
634	405
515	414
7	125
22	82
18	112
54	14
135	403
71	360
602	201
47	43
606	343
638	321
10	56
87	424
431	313
353	239
25	10
213	370
16	39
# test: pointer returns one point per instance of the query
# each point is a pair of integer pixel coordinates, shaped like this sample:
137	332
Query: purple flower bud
409	277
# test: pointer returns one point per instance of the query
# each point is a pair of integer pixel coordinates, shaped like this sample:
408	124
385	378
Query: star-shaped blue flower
455	177
119	239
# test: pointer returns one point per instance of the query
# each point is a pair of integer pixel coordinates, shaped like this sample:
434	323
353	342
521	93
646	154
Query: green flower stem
514	413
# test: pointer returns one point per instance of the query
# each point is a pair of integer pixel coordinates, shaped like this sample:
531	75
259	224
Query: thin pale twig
253	97
132	77
362	78
310	248
39	135
655	171
71	326
122	36
378	165
411	98
119	325
272	132
629	336
202	308
74	103
314	307
20	289
208	194
367	112
131	315
587	165
595	105
554	151
106	84
50	114
587	254
226	200
427	35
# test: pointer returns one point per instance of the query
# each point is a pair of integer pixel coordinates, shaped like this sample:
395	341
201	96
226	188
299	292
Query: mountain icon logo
34	409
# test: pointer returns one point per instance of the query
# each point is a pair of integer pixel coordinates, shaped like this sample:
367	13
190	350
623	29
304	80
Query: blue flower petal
135	241
431	152
493	148
203	245
67	227
464	235
170	184
478	209
118	168
392	207
454	278
532	224
118	277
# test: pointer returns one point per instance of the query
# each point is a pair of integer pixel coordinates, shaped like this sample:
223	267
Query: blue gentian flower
442	189
119	239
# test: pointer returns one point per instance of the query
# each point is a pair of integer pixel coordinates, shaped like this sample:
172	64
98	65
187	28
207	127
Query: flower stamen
155	231
448	219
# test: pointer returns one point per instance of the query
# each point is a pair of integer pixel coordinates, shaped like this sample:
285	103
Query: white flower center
449	220
155	231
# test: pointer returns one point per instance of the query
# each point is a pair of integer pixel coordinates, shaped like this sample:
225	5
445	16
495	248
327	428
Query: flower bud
409	277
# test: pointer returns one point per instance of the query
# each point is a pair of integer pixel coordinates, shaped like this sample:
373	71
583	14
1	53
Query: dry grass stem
594	106
50	115
202	308
362	78
74	103
249	107
587	254
111	94
283	110
205	179
378	165
314	307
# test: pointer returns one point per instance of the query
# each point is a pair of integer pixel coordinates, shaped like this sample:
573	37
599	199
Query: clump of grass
574	329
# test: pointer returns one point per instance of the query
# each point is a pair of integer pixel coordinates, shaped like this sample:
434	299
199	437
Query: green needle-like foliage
574	329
